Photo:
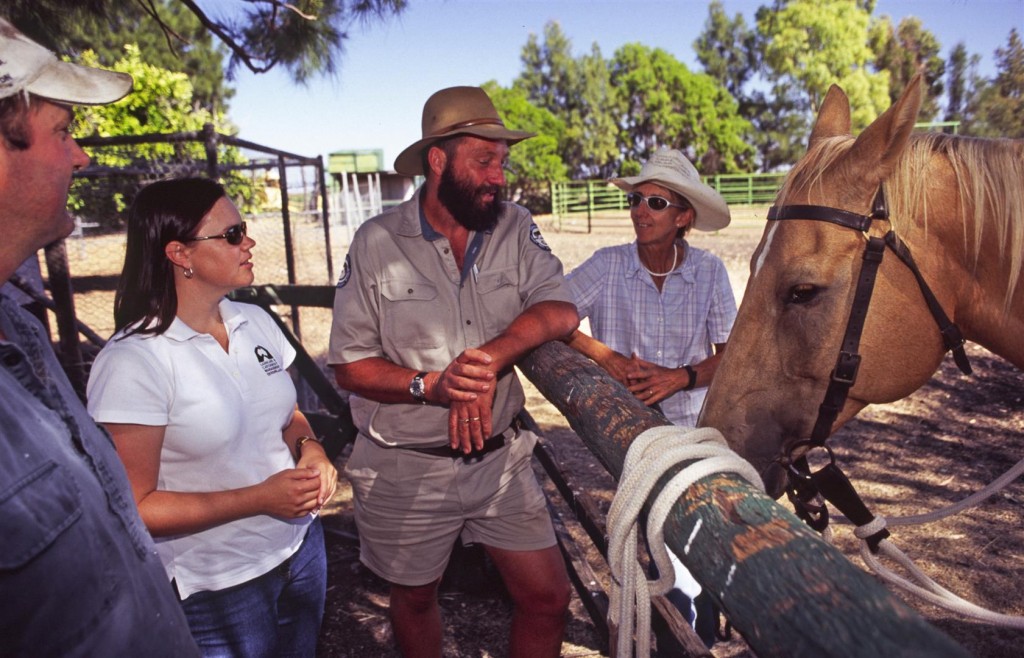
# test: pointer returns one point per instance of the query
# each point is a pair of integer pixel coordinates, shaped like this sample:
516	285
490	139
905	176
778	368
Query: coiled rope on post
652	454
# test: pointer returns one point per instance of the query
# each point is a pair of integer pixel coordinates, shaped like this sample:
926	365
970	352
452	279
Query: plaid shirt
695	309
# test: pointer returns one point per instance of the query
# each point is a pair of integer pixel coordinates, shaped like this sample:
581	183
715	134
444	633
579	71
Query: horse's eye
803	293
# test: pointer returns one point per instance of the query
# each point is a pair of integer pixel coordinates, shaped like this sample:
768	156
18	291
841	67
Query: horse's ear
833	116
880	145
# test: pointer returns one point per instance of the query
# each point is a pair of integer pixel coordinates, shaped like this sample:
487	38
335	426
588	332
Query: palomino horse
956	203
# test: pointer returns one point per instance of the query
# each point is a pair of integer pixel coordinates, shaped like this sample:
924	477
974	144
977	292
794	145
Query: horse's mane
988	171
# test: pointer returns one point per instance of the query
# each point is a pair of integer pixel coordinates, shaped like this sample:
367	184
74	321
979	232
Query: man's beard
462	200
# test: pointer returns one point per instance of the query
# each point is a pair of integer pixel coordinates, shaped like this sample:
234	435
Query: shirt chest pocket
35	508
412	315
499	298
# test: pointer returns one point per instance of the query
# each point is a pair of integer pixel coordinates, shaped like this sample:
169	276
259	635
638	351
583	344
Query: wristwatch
692	384
418	389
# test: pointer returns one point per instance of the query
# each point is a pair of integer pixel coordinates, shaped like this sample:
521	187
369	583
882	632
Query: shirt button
446	250
409	291
659	352
469	322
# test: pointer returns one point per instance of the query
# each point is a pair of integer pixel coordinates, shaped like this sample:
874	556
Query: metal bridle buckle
802	491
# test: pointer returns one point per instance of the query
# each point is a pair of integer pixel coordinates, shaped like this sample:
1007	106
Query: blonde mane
990	188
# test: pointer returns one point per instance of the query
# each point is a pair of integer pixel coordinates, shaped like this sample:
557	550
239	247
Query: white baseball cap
27	67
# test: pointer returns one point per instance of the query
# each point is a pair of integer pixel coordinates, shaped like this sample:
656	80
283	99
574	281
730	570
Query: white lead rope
924	587
650	456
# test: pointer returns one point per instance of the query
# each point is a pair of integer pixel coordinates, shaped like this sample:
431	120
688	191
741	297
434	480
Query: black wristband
692	384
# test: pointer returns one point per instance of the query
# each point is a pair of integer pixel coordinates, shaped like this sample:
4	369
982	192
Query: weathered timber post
788	592
70	350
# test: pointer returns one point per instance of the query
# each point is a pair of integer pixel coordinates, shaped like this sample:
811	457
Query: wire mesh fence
281	196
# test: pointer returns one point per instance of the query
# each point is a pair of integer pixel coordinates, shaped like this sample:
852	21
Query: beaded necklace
675	261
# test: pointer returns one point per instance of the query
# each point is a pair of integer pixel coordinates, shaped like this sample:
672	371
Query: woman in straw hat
667	305
660	310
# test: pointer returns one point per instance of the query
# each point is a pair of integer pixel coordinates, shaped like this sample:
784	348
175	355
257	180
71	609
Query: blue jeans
276	614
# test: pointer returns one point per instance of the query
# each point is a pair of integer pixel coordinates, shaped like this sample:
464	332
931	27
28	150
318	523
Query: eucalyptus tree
578	92
663	103
732	53
999	108
811	44
536	162
904	51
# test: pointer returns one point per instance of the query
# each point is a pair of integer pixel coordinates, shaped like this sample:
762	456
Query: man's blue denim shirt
79	575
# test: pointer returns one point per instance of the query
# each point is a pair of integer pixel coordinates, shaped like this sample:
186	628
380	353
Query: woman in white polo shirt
223	466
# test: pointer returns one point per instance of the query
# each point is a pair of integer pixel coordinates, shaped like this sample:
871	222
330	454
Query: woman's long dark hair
161	213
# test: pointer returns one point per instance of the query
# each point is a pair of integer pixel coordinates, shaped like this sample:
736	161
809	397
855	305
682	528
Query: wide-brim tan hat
672	170
27	67
456	111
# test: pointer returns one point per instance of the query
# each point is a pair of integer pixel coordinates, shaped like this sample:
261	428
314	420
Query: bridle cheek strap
848	362
952	338
830	481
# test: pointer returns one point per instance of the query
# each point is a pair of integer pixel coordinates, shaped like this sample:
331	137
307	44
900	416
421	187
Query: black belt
490	445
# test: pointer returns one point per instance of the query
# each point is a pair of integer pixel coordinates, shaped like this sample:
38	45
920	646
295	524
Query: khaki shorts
410	507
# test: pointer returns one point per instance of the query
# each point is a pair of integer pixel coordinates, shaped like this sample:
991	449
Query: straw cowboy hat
27	67
456	111
672	170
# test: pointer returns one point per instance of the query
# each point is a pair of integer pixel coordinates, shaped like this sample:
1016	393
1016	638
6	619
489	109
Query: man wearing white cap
438	300
661	310
79	575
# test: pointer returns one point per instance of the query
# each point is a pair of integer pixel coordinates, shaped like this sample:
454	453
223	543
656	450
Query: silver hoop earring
188	272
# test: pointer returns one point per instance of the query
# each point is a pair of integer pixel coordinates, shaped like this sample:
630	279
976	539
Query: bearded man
438	299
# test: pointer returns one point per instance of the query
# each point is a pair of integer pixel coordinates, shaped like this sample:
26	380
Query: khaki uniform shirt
401	297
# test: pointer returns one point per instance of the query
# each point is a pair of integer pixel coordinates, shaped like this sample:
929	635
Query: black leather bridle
829	481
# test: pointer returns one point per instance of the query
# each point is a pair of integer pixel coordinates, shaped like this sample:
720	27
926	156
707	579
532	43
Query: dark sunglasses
655	203
233	235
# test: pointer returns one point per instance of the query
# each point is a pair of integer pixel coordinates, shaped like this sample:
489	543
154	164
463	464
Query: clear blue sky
390	68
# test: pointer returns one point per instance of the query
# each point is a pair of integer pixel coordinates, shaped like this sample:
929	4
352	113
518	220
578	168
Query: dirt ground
934	448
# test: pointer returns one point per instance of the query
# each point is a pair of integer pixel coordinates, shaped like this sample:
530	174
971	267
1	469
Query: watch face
416	387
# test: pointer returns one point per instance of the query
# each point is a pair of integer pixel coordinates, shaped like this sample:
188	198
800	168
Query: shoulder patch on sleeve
538	239
346	271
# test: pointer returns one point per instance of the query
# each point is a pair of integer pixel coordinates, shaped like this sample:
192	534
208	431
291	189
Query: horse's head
803	274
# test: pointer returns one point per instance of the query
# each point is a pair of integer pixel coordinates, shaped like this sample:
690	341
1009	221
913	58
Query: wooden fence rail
787	591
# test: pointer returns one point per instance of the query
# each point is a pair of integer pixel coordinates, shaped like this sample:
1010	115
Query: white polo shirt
224	413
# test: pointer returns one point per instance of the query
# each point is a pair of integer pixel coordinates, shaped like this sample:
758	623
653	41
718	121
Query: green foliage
665	104
960	86
161	103
905	51
732	54
304	36
781	126
999	110
578	92
728	50
193	53
621	110
817	43
535	162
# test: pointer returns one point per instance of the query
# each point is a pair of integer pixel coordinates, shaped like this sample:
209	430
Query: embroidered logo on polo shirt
267	360
538	239
346	271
